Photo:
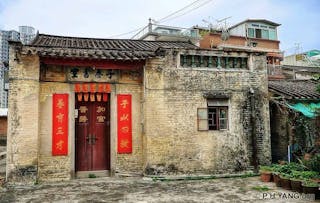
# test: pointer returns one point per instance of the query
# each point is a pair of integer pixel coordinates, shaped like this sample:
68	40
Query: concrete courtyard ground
145	190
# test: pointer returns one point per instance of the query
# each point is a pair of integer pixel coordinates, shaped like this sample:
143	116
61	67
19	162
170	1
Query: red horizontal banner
124	124
92	87
60	124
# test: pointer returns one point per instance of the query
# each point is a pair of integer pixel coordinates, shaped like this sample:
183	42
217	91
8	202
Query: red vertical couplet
124	124
60	124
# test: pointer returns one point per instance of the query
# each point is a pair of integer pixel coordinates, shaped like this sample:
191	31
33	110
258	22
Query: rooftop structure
27	33
167	33
255	34
309	58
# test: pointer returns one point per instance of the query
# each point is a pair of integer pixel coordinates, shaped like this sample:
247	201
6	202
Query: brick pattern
165	135
172	97
53	168
214	40
132	162
23	118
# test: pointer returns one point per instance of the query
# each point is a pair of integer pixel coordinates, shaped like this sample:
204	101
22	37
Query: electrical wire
204	3
126	33
162	19
167	18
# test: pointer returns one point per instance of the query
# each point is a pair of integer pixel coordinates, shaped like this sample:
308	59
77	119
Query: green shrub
266	168
310	183
286	175
314	163
91	175
306	175
261	188
296	175
276	168
289	168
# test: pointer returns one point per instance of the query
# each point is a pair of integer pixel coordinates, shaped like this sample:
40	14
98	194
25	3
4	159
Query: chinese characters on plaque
90	74
60	124
124	124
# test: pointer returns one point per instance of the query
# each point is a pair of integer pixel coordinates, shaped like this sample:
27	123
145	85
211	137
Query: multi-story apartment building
255	34
5	36
27	34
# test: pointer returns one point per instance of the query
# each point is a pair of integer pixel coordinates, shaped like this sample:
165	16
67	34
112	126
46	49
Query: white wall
240	30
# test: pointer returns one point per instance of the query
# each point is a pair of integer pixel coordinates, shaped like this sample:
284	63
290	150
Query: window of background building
264	32
215	116
272	35
258	33
251	32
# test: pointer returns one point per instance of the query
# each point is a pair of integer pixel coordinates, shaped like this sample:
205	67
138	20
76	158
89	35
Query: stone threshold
199	177
92	174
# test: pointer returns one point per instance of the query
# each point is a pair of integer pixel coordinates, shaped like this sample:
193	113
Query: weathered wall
132	162
214	40
23	117
54	168
164	119
279	133
172	96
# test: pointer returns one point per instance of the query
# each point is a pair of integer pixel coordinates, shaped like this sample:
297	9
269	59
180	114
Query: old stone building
81	106
295	125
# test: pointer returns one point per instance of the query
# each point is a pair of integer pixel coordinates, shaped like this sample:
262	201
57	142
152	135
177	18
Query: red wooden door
92	136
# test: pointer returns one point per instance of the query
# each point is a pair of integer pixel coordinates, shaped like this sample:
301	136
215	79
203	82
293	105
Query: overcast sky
105	18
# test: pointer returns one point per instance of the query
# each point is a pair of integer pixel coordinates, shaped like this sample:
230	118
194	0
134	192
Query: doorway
92	137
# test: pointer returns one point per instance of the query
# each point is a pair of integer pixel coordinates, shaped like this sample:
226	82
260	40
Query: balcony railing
274	69
164	30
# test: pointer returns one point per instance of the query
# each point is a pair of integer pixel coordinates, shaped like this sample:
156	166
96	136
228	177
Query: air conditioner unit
254	44
6	86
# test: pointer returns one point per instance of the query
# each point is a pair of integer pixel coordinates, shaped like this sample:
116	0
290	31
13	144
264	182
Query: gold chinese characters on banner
60	124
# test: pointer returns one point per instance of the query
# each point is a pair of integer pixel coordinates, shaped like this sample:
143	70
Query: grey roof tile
295	89
120	49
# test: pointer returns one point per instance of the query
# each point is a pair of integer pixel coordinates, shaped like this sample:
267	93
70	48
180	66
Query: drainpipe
254	131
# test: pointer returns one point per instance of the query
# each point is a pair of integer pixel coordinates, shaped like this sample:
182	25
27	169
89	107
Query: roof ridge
83	48
97	38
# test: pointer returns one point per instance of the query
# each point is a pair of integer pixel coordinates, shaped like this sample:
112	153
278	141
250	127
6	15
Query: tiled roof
121	49
295	89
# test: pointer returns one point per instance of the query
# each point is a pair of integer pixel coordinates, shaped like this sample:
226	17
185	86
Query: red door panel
92	136
82	131
100	125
